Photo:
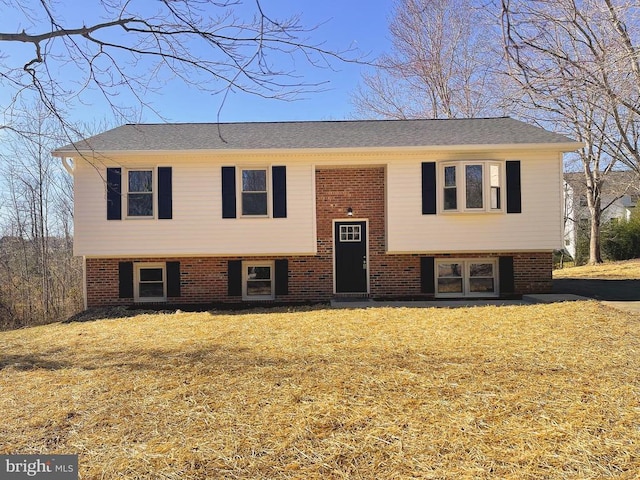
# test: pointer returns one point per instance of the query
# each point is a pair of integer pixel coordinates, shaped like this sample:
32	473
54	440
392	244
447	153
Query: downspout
68	165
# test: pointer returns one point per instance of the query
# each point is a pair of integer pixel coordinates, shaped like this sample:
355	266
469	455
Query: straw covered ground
518	392
628	269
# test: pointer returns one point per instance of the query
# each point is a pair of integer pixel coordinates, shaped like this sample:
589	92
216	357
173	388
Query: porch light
349	212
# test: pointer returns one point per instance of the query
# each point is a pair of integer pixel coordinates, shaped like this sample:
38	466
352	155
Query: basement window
466	277
258	281
150	282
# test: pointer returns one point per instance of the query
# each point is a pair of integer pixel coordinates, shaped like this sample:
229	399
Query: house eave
556	147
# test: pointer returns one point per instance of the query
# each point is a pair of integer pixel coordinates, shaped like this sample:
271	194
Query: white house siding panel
197	226
538	227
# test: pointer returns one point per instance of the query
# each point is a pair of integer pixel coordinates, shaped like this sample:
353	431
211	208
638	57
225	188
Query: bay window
471	187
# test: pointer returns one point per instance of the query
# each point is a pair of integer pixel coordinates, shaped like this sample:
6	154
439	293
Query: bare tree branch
442	64
577	62
135	47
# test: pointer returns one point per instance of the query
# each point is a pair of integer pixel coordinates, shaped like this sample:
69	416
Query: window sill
471	212
462	296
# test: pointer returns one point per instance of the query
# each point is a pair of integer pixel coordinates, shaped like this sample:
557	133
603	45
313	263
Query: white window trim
136	281
466	262
267	169
154	193
258	263
356	233
461	187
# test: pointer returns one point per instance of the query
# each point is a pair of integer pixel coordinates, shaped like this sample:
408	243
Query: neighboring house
305	211
620	192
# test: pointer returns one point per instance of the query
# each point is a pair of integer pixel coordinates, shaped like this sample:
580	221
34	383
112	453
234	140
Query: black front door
350	240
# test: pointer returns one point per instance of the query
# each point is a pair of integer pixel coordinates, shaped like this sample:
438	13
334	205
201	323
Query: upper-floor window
471	187
254	192
140	193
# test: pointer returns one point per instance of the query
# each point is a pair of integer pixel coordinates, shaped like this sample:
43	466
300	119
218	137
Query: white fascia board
555	147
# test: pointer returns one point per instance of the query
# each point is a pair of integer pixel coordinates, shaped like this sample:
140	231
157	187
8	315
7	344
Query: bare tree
136	46
443	63
40	281
577	64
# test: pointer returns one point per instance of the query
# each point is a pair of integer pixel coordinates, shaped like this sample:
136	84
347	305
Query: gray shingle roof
317	134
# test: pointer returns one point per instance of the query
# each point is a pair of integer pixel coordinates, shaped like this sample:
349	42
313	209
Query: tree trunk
594	238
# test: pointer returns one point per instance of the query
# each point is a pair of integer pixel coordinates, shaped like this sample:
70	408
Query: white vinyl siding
538	227
197	226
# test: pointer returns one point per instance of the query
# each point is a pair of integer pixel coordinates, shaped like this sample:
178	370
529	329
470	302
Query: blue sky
343	24
358	24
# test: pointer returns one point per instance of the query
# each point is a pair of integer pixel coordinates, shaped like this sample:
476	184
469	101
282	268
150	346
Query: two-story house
305	211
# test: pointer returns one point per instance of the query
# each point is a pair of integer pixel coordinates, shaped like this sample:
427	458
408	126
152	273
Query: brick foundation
205	279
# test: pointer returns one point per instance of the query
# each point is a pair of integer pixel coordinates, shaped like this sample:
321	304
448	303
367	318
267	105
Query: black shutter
114	194
282	277
427	275
165	202
514	201
234	280
279	180
507	281
429	188
228	192
125	279
173	279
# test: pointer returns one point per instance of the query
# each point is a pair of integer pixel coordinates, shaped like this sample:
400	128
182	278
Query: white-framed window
139	193
471	186
150	282
350	233
254	198
477	277
258	280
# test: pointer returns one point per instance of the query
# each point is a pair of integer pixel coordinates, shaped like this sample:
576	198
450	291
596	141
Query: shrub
621	238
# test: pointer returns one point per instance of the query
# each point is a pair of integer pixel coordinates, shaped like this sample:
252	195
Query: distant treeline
40	281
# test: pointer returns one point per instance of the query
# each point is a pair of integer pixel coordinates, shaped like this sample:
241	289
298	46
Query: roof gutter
558	147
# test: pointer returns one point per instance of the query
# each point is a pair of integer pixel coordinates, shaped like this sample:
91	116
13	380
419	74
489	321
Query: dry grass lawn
530	392
629	269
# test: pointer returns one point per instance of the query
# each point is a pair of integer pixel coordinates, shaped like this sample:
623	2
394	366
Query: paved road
607	290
